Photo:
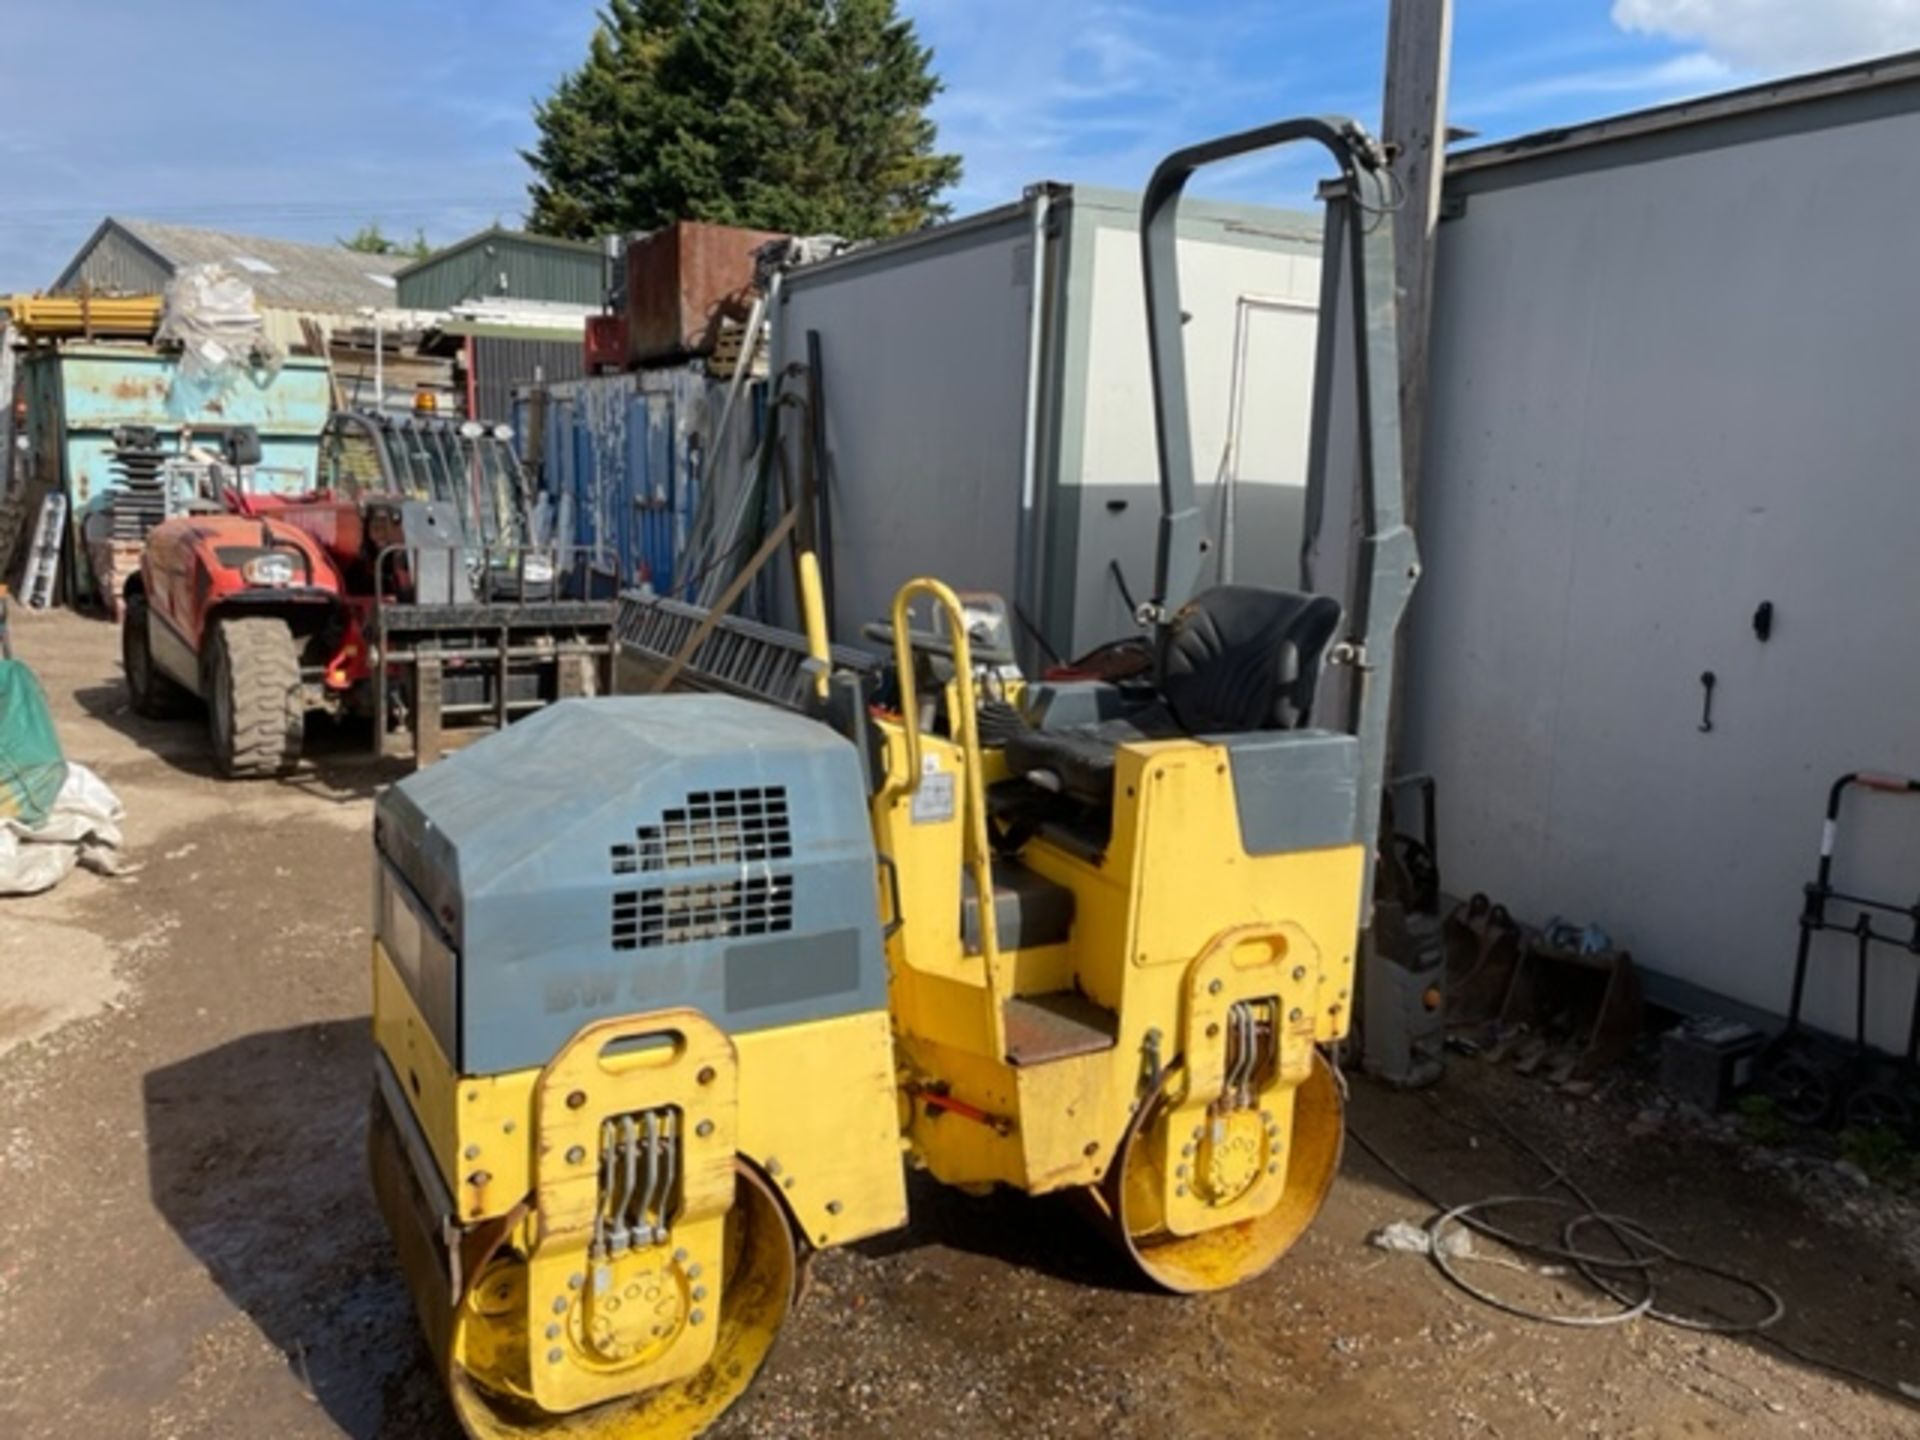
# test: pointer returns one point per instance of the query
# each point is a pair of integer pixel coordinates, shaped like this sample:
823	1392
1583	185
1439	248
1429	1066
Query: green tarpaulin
32	768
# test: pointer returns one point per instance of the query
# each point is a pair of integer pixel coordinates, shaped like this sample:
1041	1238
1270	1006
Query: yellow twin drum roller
629	1074
665	987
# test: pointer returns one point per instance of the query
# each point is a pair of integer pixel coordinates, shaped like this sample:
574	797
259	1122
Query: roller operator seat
1241	658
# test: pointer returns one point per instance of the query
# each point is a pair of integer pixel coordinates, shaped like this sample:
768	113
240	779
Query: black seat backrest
1245	658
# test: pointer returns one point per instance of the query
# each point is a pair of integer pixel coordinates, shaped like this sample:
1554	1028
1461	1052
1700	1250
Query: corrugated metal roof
284	274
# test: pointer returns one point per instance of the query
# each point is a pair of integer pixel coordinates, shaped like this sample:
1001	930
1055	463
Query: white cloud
1669	79
1775	35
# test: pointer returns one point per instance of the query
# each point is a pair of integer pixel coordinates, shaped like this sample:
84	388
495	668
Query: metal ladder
736	657
43	560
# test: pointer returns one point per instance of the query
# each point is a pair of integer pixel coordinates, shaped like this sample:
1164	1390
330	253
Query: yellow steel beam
61	315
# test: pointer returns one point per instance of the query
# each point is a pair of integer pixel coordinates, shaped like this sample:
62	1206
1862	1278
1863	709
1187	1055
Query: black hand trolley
1814	1080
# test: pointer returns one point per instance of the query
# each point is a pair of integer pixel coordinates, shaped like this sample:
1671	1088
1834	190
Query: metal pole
1419	45
1030	528
1414	119
379	367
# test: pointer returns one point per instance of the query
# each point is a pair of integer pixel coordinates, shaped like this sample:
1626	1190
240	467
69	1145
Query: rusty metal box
681	281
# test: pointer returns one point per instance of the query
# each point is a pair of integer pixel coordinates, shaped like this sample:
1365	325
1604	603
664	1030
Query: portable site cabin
987	414
1672	434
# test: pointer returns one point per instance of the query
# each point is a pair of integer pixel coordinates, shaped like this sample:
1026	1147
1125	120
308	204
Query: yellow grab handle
967	732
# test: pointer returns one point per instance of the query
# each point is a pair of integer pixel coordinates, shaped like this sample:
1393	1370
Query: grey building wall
113	263
504	263
502	365
1673	378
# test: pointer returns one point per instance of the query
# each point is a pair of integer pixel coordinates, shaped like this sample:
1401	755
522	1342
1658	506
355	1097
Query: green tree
804	116
370	239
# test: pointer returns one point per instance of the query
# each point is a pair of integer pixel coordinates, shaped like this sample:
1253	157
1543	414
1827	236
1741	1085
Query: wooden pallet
730	351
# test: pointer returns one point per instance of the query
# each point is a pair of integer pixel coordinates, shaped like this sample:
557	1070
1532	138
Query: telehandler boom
664	986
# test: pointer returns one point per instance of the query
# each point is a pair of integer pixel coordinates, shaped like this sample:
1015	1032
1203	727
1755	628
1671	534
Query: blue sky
305	120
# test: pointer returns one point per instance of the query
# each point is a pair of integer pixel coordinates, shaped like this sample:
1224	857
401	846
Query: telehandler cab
404	587
645	1041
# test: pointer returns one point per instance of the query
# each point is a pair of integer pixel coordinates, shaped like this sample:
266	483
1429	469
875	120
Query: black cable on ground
1636	1268
1464	1215
1628	1233
1406	1180
1777	1307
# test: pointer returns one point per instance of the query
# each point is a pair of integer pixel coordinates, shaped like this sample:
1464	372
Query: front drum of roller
757	1294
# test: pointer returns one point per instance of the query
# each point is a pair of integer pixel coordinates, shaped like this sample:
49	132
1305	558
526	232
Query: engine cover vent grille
714	827
716	910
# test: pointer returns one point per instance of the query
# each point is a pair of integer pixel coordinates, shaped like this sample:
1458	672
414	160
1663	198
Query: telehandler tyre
152	694
256	706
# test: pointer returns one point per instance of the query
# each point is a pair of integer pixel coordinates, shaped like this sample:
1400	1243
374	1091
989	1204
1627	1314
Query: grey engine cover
610	856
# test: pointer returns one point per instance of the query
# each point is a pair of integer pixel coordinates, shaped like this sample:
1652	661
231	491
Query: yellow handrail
966	731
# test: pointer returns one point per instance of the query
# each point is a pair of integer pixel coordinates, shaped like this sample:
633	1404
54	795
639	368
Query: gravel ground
189	1247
